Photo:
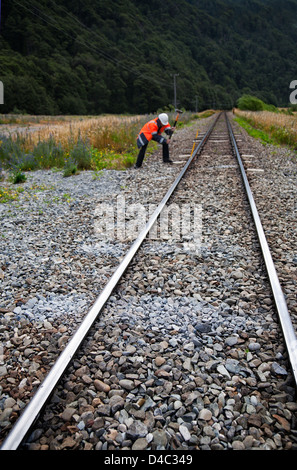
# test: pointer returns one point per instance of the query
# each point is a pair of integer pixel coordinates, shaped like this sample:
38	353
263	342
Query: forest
88	57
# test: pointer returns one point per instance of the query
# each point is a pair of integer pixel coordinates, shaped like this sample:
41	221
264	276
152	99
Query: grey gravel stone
188	352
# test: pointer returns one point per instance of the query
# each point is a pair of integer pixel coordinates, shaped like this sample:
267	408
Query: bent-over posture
153	130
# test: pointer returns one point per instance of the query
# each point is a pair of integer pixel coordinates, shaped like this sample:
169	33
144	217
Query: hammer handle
174	124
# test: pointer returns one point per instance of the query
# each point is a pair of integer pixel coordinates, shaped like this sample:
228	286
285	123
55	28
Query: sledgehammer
178	111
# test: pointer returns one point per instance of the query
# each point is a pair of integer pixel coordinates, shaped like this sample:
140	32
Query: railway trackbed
190	345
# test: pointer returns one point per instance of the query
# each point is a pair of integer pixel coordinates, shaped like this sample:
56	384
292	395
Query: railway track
142	391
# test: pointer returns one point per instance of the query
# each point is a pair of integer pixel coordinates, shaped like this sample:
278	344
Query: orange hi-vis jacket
152	130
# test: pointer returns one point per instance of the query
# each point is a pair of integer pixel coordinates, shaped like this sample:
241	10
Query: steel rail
44	391
279	298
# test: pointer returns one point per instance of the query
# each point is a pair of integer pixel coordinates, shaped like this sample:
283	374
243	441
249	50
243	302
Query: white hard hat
163	118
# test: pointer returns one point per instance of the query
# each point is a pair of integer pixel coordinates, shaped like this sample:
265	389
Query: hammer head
179	111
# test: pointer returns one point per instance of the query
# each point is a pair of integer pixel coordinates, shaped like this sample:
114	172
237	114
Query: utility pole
196	103
1	93
174	88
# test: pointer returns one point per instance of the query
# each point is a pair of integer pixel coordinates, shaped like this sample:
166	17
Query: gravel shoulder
53	265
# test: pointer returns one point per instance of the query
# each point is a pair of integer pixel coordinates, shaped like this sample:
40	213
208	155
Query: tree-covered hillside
97	56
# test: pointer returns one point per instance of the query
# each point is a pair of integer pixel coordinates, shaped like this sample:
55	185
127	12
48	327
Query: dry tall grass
94	130
74	142
282	127
82	142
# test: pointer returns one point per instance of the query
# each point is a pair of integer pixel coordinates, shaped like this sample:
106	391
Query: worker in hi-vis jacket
153	130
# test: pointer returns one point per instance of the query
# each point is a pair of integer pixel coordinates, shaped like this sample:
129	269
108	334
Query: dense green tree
99	56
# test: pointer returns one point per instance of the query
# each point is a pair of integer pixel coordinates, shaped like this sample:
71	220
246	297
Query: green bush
250	103
81	155
48	153
19	177
70	169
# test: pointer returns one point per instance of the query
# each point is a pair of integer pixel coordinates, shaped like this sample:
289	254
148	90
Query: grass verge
269	127
253	131
72	145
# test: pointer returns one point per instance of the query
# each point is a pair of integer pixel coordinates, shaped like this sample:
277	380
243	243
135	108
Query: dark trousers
142	151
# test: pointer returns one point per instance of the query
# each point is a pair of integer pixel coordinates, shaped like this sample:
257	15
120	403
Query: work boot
168	161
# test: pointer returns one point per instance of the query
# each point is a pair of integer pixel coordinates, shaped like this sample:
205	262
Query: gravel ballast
188	352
